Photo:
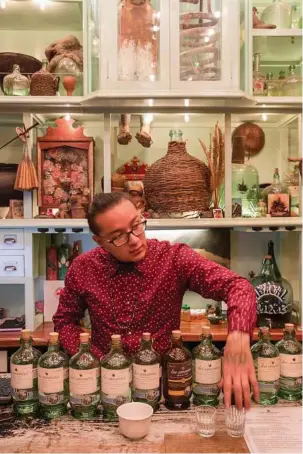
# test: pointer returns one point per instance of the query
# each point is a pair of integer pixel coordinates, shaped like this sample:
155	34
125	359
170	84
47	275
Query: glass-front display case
135	44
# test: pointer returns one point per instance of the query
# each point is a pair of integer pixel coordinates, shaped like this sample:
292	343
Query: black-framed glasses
123	238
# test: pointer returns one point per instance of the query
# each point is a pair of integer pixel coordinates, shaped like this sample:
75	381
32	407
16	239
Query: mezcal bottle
53	380
206	370
146	386
177	374
84	381
291	364
24	378
267	365
116	377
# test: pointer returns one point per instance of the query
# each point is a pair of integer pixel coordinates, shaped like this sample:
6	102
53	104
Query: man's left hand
238	370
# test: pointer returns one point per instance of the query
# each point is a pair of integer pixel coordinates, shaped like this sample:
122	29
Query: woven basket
178	182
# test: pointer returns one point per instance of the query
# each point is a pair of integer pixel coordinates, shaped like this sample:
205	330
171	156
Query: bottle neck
206	339
84	347
264	337
268	269
53	347
276	178
116	347
177	342
146	344
257	62
289	334
26	343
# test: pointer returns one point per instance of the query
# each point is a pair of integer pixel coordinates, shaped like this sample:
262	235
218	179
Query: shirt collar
115	266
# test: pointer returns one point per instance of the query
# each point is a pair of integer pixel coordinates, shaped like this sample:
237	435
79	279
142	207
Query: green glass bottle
274	296
63	258
116	378
177	374
267	365
291	364
147	371
53	380
207	370
24	377
84	381
271	252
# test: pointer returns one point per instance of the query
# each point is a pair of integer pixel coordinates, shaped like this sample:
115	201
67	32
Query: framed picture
16	209
278	205
65	165
217	213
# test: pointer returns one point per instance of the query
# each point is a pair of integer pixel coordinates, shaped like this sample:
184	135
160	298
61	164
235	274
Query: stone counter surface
169	432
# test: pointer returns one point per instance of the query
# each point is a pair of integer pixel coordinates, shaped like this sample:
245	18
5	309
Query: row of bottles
59	258
49	381
248	200
278	85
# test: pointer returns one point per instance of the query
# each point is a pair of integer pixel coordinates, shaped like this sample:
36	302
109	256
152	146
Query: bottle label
84	400
270	387
269	369
271	299
83	382
150	395
51	399
291	365
22	376
206	390
207	372
258	87
50	380
146	377
115	382
179	379
291	384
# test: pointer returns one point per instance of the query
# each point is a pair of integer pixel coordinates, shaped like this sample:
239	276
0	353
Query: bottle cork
205	329
25	334
146	336
176	334
84	338
53	337
289	326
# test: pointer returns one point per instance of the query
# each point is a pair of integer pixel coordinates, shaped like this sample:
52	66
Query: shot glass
206	420
235	421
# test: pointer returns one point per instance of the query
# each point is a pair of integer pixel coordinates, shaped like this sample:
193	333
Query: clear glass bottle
272	86
245	182
84	381
281	81
15	84
147	372
53	380
116	379
24	377
258	77
267	366
276	197
278	13
207	370
177	374
274	296
293	83
291	364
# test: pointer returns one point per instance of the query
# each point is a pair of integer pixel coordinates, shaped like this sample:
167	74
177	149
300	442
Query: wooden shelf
191	332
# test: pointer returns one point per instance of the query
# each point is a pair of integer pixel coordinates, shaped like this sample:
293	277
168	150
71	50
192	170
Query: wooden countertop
190	331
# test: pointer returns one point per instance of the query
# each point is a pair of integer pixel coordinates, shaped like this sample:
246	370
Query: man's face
120	219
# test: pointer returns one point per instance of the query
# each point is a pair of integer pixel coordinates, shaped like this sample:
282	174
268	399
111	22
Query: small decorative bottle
274	296
43	83
281	82
293	83
116	378
177	374
291	364
267	365
277	197
272	86
84	381
52	261
53	380
147	372
245	182
63	258
15	84
258	77
24	377
206	370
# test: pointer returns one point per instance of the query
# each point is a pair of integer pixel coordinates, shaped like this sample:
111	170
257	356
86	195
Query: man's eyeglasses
124	237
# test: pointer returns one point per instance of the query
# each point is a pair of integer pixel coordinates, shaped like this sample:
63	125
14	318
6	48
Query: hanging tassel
26	179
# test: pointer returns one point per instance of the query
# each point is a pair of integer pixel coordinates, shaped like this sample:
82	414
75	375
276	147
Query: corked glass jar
178	182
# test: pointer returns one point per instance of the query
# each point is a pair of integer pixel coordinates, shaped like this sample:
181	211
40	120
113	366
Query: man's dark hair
102	203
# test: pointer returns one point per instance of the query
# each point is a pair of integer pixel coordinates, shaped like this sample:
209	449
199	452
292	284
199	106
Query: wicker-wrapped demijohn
178	182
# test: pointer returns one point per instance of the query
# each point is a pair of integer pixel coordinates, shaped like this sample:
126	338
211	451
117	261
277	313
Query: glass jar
278	13
272	86
293	83
15	84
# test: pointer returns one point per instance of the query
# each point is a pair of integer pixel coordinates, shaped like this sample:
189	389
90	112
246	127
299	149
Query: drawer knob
10	268
10	240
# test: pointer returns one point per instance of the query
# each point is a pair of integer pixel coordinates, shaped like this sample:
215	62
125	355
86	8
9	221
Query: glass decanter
278	13
15	84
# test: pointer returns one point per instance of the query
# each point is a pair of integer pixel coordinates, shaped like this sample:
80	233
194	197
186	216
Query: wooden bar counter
169	432
190	331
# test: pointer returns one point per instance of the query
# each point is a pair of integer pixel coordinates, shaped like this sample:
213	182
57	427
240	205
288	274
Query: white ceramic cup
134	419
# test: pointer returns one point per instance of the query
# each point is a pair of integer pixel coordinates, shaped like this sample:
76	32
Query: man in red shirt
131	285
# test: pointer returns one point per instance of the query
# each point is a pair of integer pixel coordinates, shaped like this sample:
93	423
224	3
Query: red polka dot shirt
130	299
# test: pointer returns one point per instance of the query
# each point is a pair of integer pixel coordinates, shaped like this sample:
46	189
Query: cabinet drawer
11	239
11	266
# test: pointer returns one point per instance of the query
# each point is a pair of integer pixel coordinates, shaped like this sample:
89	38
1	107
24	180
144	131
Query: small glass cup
206	420
235	421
